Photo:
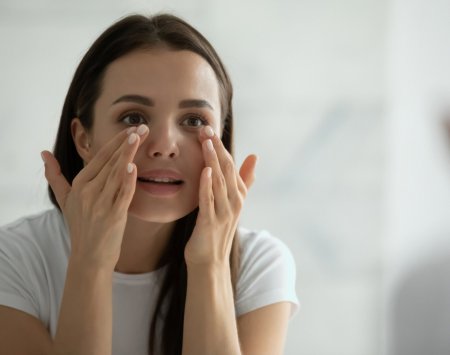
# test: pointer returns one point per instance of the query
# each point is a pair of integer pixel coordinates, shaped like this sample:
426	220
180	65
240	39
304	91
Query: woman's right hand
95	206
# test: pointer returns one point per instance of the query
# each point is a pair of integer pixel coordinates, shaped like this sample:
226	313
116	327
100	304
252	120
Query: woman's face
175	93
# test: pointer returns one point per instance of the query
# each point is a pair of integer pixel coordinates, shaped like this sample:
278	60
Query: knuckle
220	180
238	203
102	154
227	214
244	191
85	193
229	166
242	187
113	175
111	163
207	198
117	173
229	156
76	182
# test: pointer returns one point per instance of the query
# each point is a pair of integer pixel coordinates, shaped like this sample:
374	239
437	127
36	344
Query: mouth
160	181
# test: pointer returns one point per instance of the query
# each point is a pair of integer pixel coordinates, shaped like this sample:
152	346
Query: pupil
134	119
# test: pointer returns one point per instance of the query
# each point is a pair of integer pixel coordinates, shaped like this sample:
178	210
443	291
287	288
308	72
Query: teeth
161	180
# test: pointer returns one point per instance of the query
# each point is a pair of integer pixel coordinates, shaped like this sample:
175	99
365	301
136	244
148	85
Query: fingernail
209	145
130	168
132	138
208	171
142	129
131	130
209	131
43	157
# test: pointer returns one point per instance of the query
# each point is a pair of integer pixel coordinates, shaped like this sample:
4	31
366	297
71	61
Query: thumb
247	170
55	178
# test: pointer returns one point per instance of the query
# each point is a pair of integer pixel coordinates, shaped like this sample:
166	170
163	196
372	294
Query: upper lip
160	174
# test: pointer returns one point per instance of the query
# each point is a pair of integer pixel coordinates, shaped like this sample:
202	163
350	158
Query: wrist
213	277
209	268
86	265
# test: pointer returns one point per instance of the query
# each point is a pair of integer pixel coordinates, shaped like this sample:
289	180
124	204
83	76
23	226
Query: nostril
159	154
154	151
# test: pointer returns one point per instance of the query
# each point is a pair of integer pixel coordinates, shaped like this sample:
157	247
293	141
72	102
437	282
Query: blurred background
343	103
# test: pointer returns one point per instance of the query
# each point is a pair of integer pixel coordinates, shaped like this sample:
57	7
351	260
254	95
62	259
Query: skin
167	77
125	229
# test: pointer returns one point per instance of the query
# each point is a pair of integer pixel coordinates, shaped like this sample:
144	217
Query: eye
194	121
133	119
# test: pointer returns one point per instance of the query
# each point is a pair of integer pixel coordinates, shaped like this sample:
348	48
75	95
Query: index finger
103	156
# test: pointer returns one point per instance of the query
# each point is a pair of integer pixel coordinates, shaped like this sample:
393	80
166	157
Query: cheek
96	146
100	138
195	160
216	125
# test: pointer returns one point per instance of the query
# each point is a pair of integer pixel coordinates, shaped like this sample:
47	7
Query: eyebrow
195	103
147	101
142	100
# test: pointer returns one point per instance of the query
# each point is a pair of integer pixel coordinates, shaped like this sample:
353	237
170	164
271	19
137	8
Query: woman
142	254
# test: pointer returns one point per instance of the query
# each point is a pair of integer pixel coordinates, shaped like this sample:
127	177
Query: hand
95	206
221	196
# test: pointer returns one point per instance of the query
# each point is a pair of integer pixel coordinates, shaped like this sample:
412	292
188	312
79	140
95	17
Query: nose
162	142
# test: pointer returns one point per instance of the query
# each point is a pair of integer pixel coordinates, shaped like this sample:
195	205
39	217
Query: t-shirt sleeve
267	273
16	278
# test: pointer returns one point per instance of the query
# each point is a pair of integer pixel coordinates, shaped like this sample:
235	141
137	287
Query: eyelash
202	119
129	114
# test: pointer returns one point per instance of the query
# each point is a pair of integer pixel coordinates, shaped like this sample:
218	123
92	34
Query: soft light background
340	99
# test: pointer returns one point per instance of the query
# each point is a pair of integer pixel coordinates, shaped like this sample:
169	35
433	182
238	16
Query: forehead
162	74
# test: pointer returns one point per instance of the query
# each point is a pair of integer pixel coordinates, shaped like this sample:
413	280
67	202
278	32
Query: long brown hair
133	33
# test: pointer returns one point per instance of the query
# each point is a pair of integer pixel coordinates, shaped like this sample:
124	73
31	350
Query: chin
159	214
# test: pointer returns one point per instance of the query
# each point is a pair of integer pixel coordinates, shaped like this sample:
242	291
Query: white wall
417	243
310	83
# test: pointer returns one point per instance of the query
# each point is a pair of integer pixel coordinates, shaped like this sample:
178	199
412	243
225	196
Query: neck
143	245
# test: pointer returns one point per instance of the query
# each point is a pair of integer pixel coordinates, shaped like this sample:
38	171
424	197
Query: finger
119	160
227	167
205	133
241	185
103	156
219	187
206	196
247	170
127	189
55	178
119	174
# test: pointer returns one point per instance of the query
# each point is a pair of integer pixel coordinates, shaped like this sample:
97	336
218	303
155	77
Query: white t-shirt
34	253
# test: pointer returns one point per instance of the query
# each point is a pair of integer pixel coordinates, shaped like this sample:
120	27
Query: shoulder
47	217
33	250
32	227
260	242
261	249
267	271
34	236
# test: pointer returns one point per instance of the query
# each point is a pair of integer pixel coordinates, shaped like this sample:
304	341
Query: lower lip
160	190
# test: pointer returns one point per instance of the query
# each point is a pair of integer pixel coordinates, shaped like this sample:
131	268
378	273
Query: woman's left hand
221	196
